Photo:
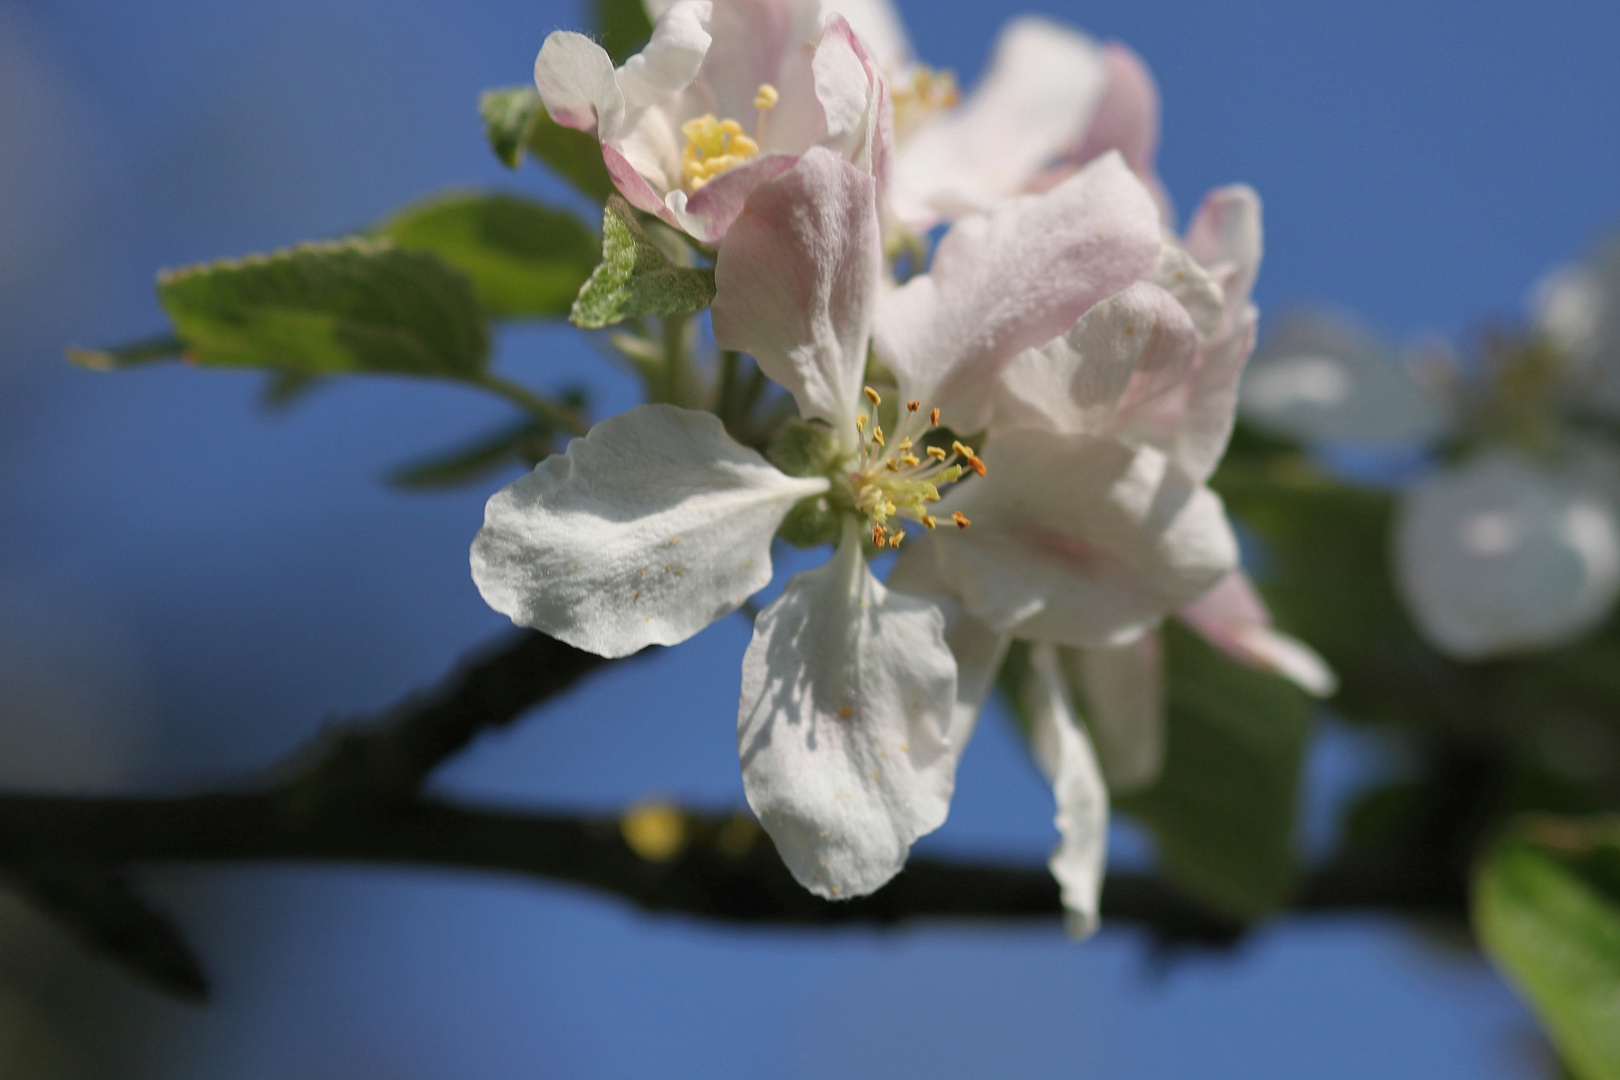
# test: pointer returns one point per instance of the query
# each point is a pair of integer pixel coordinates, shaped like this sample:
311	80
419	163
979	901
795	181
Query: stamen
860	422
766	98
872	396
877	434
894	541
713	147
910	459
877	535
913	406
930	521
961	520
937	453
933	418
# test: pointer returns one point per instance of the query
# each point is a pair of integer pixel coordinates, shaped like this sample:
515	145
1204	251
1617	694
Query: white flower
1051	101
1501	554
1577	308
726	95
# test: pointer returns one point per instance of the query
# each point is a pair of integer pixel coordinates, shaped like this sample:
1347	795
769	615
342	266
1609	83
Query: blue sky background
188	585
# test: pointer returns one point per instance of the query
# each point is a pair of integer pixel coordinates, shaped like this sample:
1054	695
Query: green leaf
636	278
515	121
98	907
1223	810
622	27
1547	909
330	308
526	260
524	444
132	354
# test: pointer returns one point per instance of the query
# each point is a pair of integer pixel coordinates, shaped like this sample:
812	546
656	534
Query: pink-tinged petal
1043	84
879	25
1224	236
1234	619
634	187
1082	541
761	41
1012	280
1193	420
846	697
577	84
1065	755
1126	351
1127	117
709	214
1122	696
671	59
855	101
796	280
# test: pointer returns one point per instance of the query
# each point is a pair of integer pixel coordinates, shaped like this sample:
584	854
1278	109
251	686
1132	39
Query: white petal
1035	102
1499	555
1234	619
1323	378
846	698
879	26
796	281
649	528
671	59
978	649
1122	690
845	89
577	85
1224	236
1123	353
1082	541
1065	756
1013	280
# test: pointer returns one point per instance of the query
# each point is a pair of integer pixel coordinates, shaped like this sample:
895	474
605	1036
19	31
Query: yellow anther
713	147
766	98
894	541
877	434
905	444
913	406
929	520
937	453
872	396
965	451
892	465
890	508
877	535
976	465
961	520
933	417
910	460
860	422
730	127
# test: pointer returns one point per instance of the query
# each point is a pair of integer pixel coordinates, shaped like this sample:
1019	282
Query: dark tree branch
719	867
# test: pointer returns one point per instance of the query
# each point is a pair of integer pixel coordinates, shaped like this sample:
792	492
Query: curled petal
1083	541
1234	619
1112	364
1500	555
649	528
1122	689
1224	236
1064	754
671	59
577	84
796	280
1012	280
846	699
879	26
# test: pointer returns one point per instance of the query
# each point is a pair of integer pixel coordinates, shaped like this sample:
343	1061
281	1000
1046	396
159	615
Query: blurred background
190	583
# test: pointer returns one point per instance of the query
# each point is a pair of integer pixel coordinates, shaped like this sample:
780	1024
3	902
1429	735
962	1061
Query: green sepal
636	277
525	259
812	522
330	308
515	120
1546	905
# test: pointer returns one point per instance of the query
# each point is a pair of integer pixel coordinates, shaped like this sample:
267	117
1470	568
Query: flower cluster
1030	420
1508	536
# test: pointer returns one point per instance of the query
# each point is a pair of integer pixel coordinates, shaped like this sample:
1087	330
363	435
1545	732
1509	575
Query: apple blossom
1052	100
726	95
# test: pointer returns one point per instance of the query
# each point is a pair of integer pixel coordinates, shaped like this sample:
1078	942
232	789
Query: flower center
717	146
918	93
891	480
